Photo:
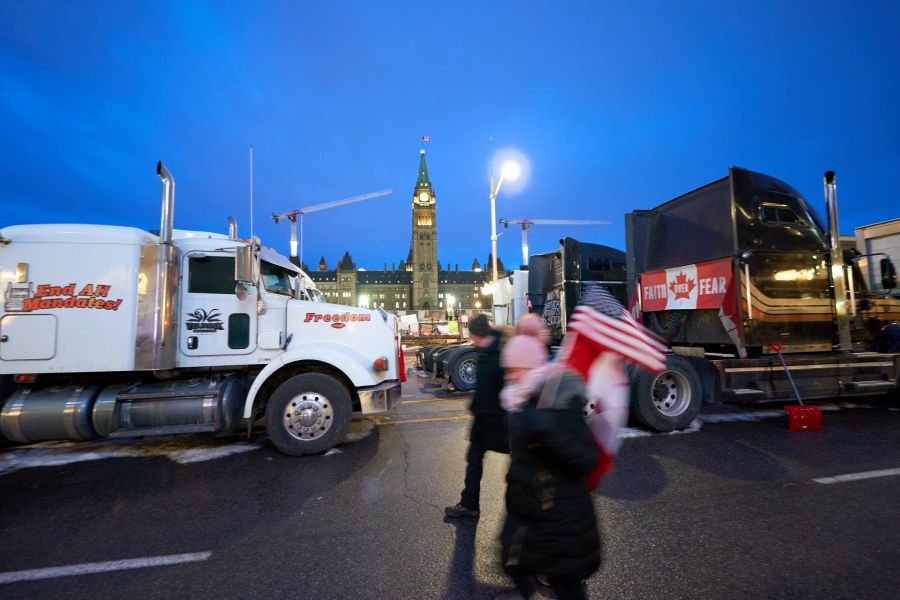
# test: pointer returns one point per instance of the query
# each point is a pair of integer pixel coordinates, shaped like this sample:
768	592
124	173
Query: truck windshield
277	279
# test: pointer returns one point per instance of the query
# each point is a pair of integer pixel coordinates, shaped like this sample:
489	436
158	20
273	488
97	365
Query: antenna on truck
251	193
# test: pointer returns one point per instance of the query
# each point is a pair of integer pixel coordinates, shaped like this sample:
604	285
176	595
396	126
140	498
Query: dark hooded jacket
551	527
489	427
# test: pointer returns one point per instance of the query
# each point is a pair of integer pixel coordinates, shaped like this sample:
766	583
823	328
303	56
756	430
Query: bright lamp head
511	169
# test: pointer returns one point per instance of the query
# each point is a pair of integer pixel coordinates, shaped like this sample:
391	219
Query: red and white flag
426	138
601	336
603	325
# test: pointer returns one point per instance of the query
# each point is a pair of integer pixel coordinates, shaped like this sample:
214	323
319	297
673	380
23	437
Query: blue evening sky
616	105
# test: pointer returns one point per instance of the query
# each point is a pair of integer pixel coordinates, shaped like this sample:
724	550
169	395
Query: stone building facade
419	282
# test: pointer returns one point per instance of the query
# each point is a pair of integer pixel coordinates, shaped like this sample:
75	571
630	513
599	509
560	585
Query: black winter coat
489	427
550	526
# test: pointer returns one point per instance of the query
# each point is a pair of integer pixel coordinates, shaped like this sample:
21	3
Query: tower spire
423	180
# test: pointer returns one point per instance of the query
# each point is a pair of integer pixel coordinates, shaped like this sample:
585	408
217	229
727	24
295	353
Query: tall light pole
510	171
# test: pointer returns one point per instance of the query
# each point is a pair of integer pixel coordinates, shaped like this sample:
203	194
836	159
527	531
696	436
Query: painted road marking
102	567
401	421
434	399
627	432
858	476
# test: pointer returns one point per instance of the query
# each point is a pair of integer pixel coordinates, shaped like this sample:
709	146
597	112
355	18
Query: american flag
600	334
604	321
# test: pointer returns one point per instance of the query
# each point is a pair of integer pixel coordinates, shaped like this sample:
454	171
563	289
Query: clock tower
424	241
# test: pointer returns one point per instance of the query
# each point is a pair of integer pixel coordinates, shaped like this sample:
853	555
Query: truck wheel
427	358
308	414
464	370
670	400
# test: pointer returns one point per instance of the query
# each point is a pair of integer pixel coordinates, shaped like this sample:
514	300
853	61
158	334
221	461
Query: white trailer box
878	239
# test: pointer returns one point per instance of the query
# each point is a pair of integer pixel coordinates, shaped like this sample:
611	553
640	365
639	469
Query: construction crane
292	215
526	223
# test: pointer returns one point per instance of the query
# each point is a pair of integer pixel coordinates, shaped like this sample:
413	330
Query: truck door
213	320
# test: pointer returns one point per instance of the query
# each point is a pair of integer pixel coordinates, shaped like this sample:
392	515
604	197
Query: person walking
489	427
551	527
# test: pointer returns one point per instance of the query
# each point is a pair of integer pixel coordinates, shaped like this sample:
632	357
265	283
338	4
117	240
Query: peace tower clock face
424	198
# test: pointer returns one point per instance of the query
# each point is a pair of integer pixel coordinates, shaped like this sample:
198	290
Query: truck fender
340	356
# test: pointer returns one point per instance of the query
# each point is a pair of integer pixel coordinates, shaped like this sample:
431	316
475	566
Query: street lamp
510	171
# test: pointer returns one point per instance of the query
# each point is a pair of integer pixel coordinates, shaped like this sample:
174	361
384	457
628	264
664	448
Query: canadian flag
426	138
601	336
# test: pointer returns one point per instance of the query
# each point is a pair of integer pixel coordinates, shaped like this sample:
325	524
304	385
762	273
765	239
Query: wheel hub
308	416
671	393
468	371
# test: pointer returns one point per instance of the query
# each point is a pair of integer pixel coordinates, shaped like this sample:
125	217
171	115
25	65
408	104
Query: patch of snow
50	454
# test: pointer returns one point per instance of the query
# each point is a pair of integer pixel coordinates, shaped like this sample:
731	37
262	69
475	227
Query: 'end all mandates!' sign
696	286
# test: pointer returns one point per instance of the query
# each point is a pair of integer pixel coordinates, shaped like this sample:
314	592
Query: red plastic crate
804	418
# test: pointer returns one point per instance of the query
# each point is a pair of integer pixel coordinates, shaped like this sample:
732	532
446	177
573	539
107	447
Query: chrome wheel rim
468	371
308	416
671	393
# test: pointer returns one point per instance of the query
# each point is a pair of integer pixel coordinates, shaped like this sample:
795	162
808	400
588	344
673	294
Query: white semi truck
113	331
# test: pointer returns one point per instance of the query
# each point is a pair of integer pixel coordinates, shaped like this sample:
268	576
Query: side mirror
245	265
888	274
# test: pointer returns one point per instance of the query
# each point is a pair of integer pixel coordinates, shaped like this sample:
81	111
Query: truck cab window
773	214
211	275
277	279
595	263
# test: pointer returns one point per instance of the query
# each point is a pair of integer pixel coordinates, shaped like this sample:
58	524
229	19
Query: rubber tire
429	358
326	385
437	361
454	375
643	408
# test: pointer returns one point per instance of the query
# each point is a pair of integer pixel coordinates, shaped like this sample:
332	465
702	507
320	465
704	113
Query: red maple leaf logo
682	286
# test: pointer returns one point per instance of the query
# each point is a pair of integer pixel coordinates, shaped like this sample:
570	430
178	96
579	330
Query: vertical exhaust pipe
232	228
164	326
841	309
167	214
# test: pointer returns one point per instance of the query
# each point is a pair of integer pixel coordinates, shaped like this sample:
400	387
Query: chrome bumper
379	398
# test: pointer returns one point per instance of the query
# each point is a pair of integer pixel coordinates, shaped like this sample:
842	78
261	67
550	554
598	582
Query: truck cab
741	271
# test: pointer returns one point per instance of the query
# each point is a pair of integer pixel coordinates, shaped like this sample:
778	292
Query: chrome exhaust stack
232	228
156	349
167	214
841	308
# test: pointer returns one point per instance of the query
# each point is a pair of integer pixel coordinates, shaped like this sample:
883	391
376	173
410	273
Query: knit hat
523	352
480	326
533	325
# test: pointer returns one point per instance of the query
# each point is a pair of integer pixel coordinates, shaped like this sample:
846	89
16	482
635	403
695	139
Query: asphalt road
728	510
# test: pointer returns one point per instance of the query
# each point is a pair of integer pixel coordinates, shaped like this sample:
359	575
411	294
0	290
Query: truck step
748	393
870	386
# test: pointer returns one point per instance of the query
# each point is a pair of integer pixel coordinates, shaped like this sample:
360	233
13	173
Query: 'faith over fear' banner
701	285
